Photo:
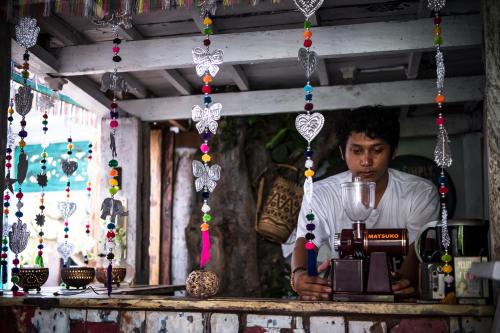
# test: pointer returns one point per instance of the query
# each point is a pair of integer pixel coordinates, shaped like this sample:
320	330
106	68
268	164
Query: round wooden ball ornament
202	284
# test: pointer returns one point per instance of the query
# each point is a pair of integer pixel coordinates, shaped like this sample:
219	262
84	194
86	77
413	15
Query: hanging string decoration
309	124
67	208
8	190
88	244
201	283
45	103
26	35
110	206
442	152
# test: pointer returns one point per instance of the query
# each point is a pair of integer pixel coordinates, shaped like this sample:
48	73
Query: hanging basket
281	209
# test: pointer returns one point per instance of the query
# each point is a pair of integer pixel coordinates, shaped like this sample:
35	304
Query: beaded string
26	35
6	196
309	125
206	118
42	182
89	194
442	152
113	164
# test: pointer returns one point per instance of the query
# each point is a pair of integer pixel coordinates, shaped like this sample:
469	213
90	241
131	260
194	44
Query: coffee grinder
362	273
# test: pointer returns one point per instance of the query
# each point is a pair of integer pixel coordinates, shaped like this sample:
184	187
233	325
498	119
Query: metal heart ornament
27	32
66	208
308	60
308	7
24	100
309	125
69	167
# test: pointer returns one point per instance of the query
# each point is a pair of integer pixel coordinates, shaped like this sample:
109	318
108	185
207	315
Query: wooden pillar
491	14
167	194
155	205
143	190
4	94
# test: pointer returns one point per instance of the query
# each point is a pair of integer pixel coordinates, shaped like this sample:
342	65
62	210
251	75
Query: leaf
277	138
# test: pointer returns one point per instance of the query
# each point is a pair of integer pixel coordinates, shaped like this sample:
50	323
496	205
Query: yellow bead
206	158
113	182
437	30
10	110
22	144
447	269
309	173
207	21
45	154
70	146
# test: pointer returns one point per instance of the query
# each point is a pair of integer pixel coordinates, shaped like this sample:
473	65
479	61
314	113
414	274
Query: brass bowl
118	274
77	277
32	278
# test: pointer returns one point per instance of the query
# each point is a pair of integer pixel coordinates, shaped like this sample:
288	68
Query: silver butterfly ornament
27	32
207	61
206	176
206	117
309	125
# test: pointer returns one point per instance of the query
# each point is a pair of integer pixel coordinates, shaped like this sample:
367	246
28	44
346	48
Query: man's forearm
299	257
409	268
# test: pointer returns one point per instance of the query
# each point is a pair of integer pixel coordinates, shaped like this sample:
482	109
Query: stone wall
30	319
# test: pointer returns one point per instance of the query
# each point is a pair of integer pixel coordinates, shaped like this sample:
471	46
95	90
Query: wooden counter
156	311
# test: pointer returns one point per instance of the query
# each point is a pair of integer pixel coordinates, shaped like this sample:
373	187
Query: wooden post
155	205
491	13
4	93
167	194
143	190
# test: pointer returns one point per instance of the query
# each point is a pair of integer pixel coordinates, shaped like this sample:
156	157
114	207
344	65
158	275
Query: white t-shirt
408	202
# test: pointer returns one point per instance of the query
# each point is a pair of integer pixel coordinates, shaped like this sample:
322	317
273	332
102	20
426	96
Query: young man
368	139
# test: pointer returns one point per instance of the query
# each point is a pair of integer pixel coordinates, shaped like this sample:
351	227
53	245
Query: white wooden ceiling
365	46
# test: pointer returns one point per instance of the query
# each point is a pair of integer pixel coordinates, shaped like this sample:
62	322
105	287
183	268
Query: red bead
67	190
89	189
114	105
15	262
66	223
40	253
308	106
308	43
8	165
90	157
206	89
443	190
19	195
206	42
66	236
8	157
87	226
6	197
116	49
4	255
110	234
440	121
45	116
113	123
437	20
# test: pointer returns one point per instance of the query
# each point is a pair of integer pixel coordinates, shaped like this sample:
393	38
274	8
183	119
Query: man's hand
313	288
401	286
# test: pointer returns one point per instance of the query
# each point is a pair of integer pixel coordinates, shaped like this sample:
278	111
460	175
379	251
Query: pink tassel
205	248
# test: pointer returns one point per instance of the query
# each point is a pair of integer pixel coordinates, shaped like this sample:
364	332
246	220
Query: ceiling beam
239	77
130	33
416	57
87	93
41	61
278	45
61	30
177	81
409	92
322	72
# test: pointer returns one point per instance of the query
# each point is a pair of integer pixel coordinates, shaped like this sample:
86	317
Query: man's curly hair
373	121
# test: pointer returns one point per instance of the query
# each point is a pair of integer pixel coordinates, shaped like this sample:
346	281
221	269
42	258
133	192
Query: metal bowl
77	277
32	278
118	275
